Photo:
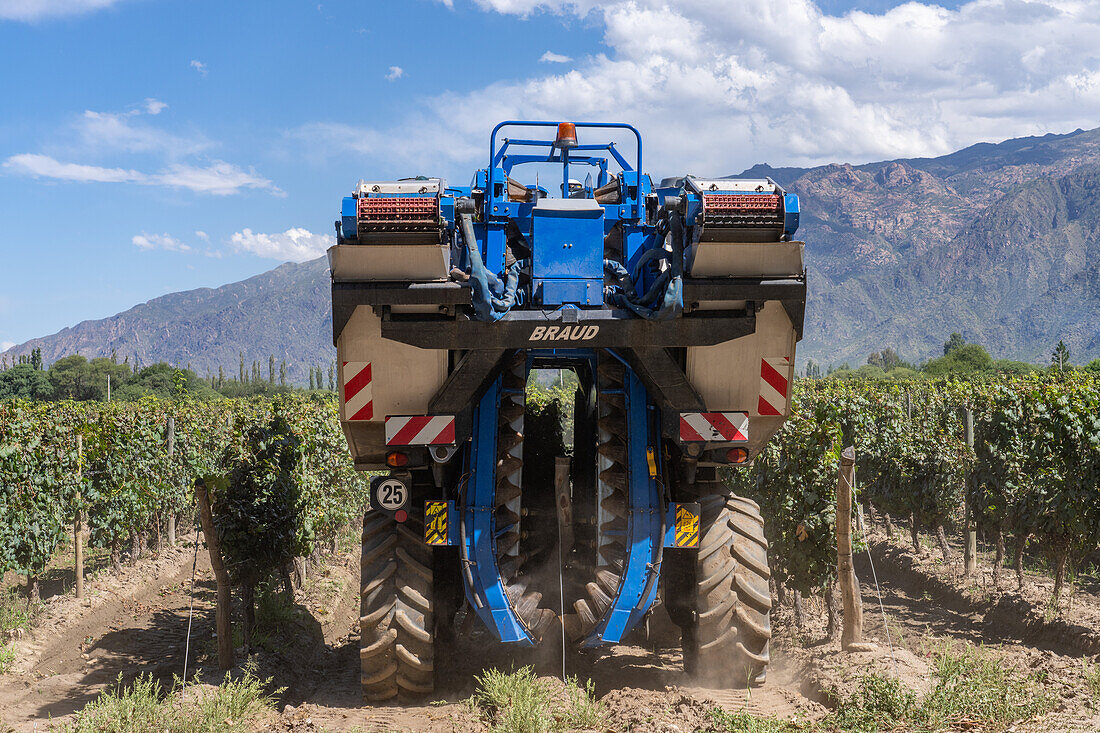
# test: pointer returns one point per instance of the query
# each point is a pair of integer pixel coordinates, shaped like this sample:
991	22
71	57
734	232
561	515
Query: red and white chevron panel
714	427
420	430
775	385
358	394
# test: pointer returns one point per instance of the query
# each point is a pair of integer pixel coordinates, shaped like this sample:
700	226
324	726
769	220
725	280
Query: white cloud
32	10
108	132
526	7
5	345
218	178
555	58
199	67
43	166
96	136
396	72
202	235
716	87
295	245
159	241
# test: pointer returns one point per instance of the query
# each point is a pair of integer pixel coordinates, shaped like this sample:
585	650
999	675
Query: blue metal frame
487	595
644	525
493	154
645	520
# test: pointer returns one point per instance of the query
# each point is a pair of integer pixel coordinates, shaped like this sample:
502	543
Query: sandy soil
137	624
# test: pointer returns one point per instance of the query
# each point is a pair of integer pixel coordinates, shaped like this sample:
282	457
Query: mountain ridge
999	241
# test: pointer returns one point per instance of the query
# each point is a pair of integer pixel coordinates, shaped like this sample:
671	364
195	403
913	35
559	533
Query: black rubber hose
677	227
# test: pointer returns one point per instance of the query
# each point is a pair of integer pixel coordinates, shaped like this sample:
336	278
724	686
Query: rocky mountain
1000	242
285	313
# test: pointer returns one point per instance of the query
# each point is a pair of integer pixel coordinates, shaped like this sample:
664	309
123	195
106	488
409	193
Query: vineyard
127	471
1030	474
1014	459
1019	459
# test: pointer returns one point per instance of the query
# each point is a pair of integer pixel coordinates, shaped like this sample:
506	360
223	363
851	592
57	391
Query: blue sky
150	146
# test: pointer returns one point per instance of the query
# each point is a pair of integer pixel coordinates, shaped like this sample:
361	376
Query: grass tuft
15	615
878	704
135	709
971	685
1092	679
143	707
515	702
14	612
971	689
519	702
582	710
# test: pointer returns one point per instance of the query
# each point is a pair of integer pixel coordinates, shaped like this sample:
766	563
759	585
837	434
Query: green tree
1060	356
953	342
965	360
24	381
886	359
166	382
71	377
103	369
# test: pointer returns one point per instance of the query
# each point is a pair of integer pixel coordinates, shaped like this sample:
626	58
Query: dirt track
137	624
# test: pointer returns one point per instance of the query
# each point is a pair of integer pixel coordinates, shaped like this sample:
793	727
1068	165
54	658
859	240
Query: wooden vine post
221	577
78	520
851	636
970	552
170	429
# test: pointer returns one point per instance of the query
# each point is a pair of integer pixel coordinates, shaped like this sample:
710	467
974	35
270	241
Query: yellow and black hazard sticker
687	525
435	523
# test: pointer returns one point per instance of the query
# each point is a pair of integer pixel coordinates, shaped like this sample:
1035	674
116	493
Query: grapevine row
1031	475
111	465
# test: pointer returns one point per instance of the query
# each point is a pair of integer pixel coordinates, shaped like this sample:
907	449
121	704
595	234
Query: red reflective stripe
765	408
410	429
725	428
687	432
774	378
354	385
366	412
447	435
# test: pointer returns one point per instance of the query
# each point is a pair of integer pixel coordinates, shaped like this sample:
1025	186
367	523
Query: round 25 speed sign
390	494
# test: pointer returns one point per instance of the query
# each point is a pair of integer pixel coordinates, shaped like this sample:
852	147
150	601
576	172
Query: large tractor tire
396	619
718	595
